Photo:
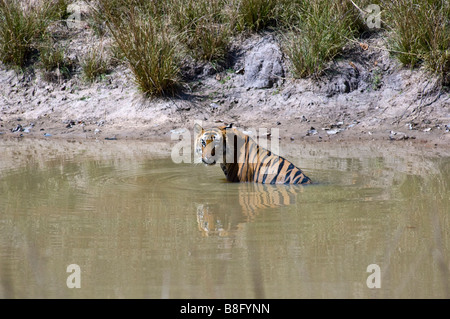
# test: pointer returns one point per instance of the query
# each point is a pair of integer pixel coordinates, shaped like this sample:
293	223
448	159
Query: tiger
242	159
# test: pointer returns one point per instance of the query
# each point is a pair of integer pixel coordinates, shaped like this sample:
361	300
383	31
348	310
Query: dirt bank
364	95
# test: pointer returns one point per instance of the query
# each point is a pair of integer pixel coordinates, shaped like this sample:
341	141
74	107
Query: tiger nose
213	151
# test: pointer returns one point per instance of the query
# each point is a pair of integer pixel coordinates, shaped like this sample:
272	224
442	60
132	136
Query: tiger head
209	143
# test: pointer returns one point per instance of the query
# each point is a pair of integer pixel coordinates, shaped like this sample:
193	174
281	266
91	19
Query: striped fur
243	160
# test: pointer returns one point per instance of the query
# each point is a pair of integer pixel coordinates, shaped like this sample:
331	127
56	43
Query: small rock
18	128
397	136
312	131
428	129
47	134
70	123
333	131
286	95
27	129
96	131
111	138
214	106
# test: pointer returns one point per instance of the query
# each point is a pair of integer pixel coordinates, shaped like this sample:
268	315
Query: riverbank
364	95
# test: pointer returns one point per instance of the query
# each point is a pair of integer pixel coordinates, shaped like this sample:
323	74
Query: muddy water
140	226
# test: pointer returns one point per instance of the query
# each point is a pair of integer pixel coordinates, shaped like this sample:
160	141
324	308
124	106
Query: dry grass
152	36
147	46
420	33
322	29
22	27
95	64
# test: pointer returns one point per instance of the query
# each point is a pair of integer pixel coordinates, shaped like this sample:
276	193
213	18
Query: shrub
23	25
201	26
324	27
147	47
255	15
420	33
52	56
94	64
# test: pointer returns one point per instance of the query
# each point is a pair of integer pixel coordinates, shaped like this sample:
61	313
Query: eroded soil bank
364	95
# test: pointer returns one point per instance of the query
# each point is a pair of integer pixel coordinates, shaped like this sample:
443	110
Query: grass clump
209	42
147	46
52	57
22	26
94	64
323	28
420	33
151	36
202	28
54	62
255	15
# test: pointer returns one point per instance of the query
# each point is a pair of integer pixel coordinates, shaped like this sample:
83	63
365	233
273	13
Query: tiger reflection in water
219	220
243	160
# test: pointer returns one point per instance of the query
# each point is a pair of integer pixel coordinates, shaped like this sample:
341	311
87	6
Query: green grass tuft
147	46
94	64
201	26
322	30
151	36
22	26
420	33
255	15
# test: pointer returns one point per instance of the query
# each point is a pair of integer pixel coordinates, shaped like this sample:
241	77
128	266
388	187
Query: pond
138	225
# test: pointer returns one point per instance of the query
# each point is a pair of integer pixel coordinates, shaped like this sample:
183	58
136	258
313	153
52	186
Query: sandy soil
364	95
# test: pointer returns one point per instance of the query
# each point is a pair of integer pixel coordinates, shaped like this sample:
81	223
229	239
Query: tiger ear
197	128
